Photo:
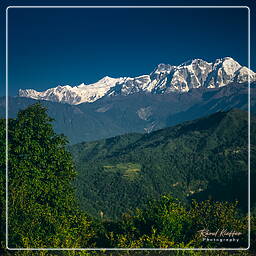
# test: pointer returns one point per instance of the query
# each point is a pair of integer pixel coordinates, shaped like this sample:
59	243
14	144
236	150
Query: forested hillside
43	210
205	158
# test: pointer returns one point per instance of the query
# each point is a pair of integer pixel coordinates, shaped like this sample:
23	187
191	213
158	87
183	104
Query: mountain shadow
233	189
139	112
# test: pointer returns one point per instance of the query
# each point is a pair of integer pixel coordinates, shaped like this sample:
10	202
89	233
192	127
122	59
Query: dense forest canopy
44	210
202	159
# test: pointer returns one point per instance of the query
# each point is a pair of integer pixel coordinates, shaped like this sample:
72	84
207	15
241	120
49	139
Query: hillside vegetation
205	158
43	210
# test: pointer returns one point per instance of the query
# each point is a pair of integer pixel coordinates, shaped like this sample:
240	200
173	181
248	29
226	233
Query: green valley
204	158
134	190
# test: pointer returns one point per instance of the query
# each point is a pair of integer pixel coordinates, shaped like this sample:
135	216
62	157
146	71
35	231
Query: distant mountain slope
121	173
164	79
140	112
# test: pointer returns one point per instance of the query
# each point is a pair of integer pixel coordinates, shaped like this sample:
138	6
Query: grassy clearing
128	170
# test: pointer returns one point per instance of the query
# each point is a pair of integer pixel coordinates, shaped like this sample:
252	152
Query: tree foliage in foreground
166	223
43	210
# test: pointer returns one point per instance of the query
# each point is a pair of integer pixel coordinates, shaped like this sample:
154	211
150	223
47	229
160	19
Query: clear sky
50	47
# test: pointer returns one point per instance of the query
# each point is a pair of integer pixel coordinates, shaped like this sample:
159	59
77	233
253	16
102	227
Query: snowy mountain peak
165	78
107	80
163	68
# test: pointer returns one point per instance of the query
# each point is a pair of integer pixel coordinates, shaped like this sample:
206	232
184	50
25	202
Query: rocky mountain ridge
164	79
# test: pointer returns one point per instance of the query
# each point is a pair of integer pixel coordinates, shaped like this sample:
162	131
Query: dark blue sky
49	47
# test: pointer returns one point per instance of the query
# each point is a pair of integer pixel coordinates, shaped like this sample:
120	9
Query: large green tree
42	210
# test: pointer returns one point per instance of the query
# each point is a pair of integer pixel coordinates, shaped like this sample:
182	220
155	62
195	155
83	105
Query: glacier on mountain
163	79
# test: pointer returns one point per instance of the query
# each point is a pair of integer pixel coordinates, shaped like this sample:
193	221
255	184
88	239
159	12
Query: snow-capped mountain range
164	79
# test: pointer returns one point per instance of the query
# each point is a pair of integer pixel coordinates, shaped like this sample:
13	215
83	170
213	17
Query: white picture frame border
130	249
